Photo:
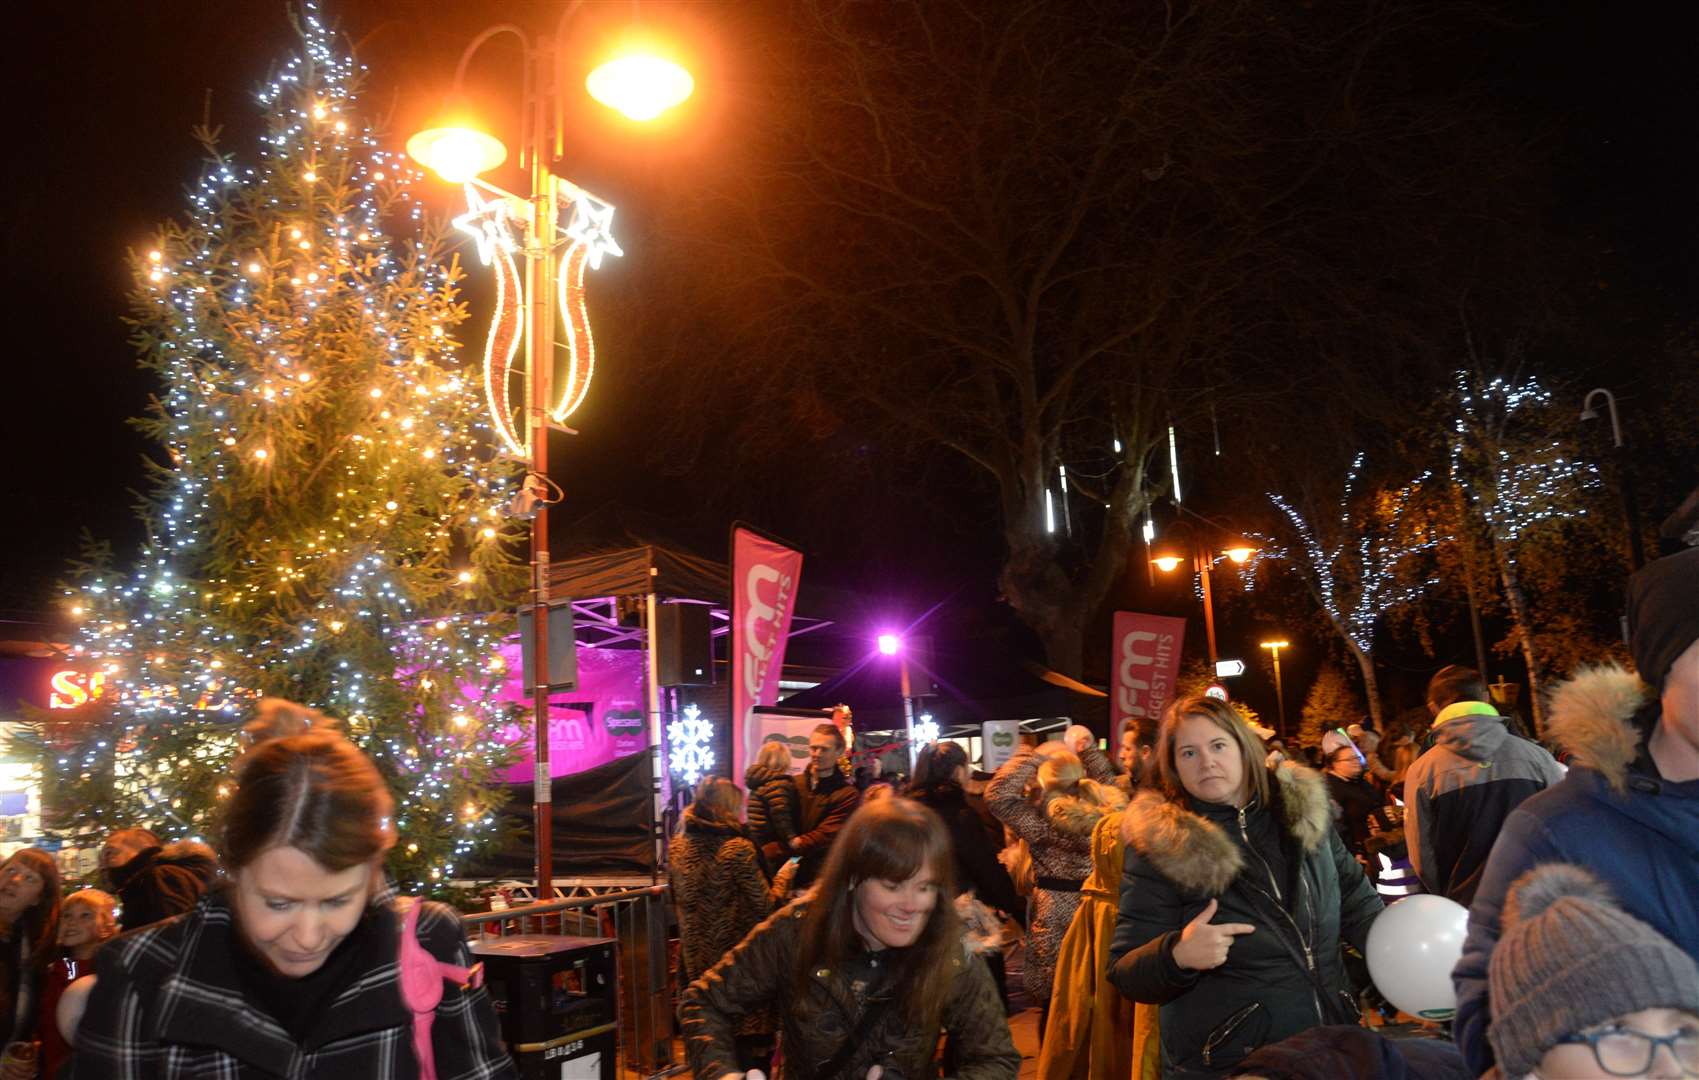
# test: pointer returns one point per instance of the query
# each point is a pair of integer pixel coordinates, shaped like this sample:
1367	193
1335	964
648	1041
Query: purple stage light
890	644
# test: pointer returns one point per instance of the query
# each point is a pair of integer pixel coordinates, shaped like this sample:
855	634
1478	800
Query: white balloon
1412	948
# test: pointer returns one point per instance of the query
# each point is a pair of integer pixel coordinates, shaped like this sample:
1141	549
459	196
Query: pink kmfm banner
1145	661
601	720
764	581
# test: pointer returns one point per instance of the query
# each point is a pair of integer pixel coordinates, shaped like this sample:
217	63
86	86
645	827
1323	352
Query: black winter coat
771	813
975	848
1281	868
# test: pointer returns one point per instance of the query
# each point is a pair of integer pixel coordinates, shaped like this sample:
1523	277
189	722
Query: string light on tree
1520	480
1353	566
690	741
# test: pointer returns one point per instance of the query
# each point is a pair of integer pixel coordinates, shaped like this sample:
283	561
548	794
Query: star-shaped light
486	221
592	225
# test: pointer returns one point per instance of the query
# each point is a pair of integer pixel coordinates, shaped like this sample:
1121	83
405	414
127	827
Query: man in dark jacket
1355	799
153	881
1629	809
825	800
1458	794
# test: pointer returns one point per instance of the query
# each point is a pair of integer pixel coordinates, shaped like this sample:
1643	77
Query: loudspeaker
684	645
563	648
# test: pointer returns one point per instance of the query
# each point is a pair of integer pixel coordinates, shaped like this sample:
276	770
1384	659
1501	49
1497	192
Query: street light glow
457	154
1167	563
890	644
640	86
1274	644
1240	553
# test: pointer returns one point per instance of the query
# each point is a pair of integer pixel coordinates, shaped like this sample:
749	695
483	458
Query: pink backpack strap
421	977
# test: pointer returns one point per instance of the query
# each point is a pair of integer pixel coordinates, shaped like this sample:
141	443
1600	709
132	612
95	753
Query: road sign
1216	691
1226	669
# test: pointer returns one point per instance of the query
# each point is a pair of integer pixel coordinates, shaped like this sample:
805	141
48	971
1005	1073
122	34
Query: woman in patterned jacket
292	969
721	894
1051	799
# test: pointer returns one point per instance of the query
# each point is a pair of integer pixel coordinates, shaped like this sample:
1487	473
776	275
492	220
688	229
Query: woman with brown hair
864	971
29	926
1236	896
721	894
296	967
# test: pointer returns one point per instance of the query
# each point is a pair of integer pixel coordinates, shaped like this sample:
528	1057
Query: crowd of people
285	952
1201	907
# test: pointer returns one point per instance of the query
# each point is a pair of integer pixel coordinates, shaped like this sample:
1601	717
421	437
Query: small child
87	920
772	808
1580	988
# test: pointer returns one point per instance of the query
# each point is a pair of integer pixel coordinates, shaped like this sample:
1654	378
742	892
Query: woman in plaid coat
292	970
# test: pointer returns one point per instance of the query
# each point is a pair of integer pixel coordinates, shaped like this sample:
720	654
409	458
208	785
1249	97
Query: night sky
104	97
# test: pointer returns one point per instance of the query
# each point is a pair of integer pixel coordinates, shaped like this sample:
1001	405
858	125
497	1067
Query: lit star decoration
489	222
325	522
690	745
588	233
592	226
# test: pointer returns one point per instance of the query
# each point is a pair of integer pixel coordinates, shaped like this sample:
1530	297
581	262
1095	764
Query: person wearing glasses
1581	989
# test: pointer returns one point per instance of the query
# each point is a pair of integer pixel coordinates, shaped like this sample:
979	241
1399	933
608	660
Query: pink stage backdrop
1145	661
589	726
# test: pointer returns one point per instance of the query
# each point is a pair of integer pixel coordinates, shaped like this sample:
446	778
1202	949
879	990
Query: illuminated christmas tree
328	525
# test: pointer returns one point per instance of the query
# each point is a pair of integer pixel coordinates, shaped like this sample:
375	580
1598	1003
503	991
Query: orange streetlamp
1279	696
1168	557
556	255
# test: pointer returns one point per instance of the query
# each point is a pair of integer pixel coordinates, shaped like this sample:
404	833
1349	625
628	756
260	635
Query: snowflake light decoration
690	745
925	730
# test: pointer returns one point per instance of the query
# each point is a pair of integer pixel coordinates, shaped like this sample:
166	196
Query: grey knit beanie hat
1569	957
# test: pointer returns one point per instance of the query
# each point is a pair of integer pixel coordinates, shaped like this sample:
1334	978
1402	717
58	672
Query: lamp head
1275	645
1589	413
640	85
1239	553
455	152
1167	563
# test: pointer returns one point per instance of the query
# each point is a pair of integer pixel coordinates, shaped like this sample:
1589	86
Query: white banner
792	731
1000	739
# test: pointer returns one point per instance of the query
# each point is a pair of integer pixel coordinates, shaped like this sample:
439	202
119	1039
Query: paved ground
1024	1027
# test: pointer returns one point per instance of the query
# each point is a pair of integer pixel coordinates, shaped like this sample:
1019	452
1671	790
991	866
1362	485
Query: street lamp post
1636	551
641	87
1202	560
1279	693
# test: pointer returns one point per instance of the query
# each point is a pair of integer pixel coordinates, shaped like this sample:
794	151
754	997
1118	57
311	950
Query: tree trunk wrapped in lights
1353	565
1522	480
326	525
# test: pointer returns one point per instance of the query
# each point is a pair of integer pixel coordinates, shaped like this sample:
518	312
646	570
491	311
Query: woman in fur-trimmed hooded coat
1274	863
1074	792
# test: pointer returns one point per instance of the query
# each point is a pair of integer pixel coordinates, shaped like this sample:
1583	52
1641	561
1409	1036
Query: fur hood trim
1077	816
1197	854
1592	717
